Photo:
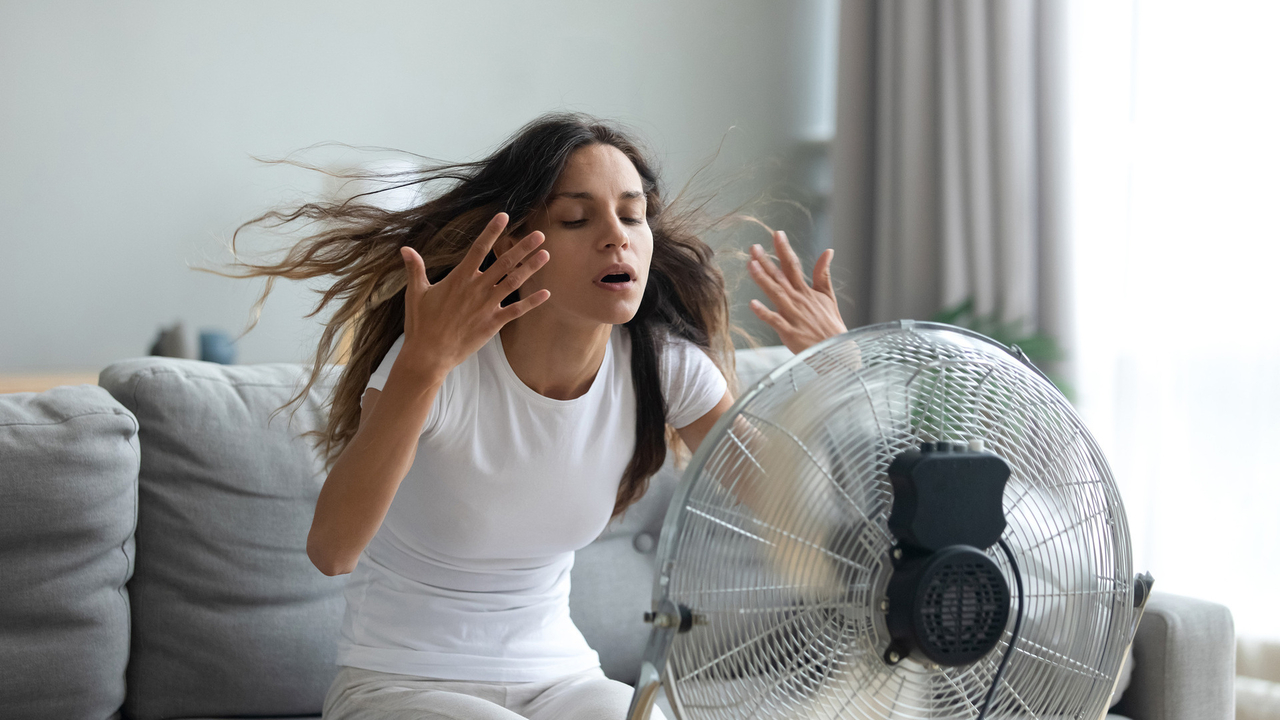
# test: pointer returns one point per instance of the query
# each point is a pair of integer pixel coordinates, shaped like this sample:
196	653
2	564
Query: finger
771	286
766	263
514	279
789	261
775	321
415	271
822	274
518	253
516	309
484	243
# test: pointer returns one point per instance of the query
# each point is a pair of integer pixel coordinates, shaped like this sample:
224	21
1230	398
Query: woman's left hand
805	314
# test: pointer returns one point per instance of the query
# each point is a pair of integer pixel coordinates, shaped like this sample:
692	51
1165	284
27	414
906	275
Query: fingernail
782	234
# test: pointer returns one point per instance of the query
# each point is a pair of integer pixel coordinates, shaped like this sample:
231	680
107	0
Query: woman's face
598	238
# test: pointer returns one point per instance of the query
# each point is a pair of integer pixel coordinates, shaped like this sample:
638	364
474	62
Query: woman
521	343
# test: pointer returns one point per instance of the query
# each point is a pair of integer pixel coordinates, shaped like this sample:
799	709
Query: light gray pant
358	694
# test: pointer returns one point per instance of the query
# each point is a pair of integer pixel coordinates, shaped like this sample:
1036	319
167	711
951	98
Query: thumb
415	270
822	274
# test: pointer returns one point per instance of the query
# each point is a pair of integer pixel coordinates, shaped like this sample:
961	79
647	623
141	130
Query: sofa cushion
68	505
229	616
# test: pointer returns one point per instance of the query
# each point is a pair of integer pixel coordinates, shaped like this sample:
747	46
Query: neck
556	359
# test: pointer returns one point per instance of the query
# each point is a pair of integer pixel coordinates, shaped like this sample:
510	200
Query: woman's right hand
444	324
447	321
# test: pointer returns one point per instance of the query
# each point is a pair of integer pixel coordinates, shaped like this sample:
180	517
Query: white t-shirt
468	577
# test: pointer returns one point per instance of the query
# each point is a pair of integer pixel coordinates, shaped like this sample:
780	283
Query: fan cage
778	537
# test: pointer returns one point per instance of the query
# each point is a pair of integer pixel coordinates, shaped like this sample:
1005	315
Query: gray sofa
152	554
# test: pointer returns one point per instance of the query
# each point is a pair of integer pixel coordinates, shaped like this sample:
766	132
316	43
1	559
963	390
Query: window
1175	191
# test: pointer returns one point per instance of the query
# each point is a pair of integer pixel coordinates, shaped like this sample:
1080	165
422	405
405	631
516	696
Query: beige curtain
948	160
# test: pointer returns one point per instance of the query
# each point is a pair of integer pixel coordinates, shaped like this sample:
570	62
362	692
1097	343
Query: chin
618	312
621	316
604	308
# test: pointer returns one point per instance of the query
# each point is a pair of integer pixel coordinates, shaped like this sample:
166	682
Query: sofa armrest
1184	662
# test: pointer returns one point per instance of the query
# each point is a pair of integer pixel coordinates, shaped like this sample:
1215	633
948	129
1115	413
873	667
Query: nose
615	235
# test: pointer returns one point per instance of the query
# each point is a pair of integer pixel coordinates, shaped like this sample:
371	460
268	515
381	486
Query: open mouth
619	277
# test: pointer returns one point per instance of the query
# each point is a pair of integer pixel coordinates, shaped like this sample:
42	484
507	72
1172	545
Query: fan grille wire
782	543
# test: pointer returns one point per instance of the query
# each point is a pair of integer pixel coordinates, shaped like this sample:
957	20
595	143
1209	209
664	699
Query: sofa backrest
229	616
68	506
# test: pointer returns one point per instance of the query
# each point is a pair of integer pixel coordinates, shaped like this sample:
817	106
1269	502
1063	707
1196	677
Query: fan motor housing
948	601
944	497
948	607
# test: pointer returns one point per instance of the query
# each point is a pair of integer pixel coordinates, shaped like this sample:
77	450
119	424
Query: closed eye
584	221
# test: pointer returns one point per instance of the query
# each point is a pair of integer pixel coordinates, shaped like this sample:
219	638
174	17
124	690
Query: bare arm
778	498
746	481
695	432
364	480
444	324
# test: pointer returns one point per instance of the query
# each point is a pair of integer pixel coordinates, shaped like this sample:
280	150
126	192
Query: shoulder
677	356
680	355
691	382
378	378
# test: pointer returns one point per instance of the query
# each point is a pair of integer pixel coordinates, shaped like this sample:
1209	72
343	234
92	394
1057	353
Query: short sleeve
691	384
378	380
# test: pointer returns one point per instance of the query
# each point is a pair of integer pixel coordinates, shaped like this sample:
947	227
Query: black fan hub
948	607
948	601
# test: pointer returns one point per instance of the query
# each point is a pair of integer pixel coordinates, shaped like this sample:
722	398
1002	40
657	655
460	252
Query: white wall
126	131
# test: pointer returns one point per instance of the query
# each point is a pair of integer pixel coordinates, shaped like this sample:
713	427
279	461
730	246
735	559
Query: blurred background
129	131
1092	179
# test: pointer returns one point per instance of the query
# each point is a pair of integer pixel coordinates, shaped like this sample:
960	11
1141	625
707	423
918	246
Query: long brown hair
359	247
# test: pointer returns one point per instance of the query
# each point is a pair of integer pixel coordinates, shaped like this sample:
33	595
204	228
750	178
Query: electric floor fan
905	521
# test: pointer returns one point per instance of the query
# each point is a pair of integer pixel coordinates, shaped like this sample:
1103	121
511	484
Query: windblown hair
359	247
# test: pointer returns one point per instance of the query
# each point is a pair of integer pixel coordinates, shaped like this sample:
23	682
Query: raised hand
805	314
447	321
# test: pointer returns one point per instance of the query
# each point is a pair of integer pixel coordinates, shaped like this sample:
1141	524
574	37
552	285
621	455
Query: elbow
333	569
327	561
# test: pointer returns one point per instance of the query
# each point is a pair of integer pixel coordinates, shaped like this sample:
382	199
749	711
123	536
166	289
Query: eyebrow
628	195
